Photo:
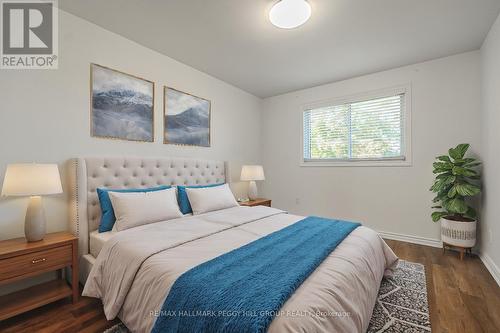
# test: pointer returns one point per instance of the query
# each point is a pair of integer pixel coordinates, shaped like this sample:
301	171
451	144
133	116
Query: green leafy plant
457	179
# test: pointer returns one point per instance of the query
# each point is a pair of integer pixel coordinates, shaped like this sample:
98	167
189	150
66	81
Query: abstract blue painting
187	119
122	105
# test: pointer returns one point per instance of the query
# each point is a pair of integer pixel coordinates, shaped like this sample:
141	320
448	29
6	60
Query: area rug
401	303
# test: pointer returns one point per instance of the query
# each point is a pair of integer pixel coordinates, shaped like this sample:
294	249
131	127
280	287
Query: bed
341	292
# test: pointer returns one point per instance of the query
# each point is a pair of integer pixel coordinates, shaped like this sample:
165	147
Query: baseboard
491	267
411	239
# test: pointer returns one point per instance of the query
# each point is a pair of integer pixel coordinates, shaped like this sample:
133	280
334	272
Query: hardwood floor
85	316
463	297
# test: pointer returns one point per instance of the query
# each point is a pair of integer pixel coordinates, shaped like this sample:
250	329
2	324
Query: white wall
490	116
44	114
445	112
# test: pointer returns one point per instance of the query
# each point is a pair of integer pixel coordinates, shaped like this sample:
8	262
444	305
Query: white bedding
137	267
97	241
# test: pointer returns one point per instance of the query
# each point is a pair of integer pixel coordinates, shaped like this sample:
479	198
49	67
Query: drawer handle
36	261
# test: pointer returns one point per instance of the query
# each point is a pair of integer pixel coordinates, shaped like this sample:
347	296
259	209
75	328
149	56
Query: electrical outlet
297	201
490	235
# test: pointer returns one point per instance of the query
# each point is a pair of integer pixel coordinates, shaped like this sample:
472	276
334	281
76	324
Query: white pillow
207	199
137	208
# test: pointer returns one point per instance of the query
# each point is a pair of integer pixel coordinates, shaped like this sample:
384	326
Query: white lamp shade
252	172
289	14
31	180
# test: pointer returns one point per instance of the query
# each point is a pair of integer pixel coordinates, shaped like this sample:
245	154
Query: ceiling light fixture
289	14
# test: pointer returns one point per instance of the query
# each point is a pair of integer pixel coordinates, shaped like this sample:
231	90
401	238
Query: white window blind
365	130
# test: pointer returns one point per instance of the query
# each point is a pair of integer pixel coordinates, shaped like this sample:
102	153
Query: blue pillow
108	217
183	199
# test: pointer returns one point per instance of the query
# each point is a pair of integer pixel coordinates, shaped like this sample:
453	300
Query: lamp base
252	190
34	223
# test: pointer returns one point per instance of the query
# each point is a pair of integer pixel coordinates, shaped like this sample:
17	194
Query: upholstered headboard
88	174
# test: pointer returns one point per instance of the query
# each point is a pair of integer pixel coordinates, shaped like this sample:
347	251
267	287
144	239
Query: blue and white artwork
187	119
122	105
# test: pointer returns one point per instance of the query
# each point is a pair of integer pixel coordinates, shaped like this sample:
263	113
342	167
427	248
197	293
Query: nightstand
20	259
257	202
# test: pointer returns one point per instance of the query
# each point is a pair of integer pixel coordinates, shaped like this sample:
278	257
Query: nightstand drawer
35	262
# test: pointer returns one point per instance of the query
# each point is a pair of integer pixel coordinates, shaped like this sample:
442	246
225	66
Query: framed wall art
122	105
186	118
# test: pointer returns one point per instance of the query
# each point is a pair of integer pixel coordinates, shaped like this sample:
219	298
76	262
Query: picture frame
186	118
121	105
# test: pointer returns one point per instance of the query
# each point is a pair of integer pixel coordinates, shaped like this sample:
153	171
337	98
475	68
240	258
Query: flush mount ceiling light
288	14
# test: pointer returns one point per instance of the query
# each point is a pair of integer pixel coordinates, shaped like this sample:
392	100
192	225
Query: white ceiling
233	40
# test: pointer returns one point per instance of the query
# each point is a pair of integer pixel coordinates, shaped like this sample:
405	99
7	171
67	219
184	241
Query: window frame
364	162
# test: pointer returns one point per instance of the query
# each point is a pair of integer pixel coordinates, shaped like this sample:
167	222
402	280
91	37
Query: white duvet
135	270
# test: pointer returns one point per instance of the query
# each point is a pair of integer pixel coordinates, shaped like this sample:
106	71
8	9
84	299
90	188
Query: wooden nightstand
257	202
20	259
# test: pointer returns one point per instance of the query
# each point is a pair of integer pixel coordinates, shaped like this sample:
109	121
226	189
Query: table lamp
252	173
33	180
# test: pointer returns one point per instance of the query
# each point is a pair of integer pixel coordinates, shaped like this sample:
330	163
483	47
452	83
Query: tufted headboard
88	174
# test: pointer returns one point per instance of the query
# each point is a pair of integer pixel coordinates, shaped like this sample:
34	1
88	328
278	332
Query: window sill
363	163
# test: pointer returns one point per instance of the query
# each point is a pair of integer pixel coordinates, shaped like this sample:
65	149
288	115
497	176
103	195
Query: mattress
97	241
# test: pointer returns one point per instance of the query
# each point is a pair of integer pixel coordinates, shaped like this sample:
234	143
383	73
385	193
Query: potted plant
456	181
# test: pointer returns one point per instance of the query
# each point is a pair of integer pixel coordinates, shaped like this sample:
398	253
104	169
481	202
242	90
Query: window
366	129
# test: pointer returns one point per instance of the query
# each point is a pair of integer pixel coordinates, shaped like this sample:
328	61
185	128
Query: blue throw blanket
242	290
